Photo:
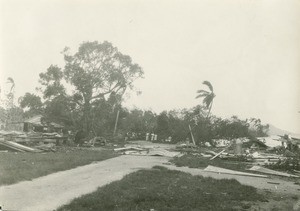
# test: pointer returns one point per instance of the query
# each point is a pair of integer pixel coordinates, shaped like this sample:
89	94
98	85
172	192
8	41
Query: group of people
151	137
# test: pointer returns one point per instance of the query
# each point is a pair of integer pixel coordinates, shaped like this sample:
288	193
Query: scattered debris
17	147
50	147
274	183
96	141
131	152
217	154
297	171
210	152
128	148
163	152
288	153
29	139
147	151
228	171
186	147
205	155
269	171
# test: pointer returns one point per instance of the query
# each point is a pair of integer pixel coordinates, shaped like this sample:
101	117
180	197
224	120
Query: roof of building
37	120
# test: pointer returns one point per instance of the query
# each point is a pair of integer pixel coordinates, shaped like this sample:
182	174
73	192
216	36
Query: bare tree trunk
86	118
192	135
116	123
207	119
209	110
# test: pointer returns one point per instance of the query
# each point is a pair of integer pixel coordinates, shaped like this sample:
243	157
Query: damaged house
39	123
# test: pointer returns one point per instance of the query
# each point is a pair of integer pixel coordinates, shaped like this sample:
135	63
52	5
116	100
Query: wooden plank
274	183
19	147
10	147
218	154
270	171
228	171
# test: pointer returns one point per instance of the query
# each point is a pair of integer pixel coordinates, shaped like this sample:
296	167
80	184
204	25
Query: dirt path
51	191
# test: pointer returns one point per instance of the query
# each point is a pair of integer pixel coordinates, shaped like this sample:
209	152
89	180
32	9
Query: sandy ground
51	191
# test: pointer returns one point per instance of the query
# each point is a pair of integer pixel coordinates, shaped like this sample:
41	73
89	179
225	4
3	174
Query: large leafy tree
90	87
58	105
32	104
232	128
256	128
96	71
51	80
208	96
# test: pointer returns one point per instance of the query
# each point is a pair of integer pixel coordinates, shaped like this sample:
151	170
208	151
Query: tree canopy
97	74
87	93
98	69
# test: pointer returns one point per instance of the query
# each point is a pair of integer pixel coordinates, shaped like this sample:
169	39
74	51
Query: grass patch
194	161
162	189
15	167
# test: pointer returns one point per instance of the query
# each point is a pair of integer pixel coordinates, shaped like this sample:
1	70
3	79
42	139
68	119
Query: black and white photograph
149	105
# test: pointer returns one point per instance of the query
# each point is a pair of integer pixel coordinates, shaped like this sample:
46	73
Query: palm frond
207	83
202	91
201	95
10	80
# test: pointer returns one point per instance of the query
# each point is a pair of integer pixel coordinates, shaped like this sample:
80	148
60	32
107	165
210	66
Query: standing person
147	136
155	137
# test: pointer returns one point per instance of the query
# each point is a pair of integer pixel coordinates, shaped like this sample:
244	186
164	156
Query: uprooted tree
97	73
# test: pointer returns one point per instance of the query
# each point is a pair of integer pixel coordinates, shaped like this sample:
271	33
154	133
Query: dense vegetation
87	95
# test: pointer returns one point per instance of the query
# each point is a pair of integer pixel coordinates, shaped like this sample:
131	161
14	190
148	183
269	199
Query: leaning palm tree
10	95
12	82
208	96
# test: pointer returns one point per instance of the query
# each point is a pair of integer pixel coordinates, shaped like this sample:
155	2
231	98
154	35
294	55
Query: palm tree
12	82
10	95
208	96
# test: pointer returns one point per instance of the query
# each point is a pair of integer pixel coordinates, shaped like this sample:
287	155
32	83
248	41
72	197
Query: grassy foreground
162	189
15	167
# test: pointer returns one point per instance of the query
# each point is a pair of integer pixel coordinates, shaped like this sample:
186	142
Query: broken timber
192	135
18	147
232	172
269	171
218	154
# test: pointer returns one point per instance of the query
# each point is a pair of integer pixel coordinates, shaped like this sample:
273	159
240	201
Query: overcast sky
249	50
